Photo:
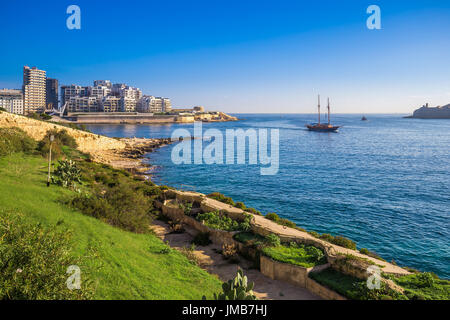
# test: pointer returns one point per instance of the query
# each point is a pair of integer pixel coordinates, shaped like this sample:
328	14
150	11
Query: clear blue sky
240	56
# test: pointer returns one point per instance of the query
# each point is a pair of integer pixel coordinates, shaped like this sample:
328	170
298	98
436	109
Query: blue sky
240	56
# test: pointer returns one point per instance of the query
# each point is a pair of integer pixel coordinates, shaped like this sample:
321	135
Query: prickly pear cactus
237	289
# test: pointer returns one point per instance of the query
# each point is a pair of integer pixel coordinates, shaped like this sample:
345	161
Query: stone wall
322	291
291	273
170	209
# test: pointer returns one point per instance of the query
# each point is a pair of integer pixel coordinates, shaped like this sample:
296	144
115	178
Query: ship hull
323	128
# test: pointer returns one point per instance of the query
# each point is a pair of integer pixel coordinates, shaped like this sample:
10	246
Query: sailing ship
322	127
364	118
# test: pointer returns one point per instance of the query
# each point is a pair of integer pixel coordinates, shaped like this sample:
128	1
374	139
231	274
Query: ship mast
328	110
319	107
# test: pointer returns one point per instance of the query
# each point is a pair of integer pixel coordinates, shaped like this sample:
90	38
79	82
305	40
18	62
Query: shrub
220	197
190	254
221	222
240	205
229	250
272	216
14	140
338	240
61	139
254	211
34	261
202	239
272	240
187	207
120	206
237	289
67	174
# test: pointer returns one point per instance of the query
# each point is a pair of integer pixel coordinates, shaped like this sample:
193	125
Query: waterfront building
82	104
34	90
109	104
127	104
11	100
51	94
99	91
151	104
73	90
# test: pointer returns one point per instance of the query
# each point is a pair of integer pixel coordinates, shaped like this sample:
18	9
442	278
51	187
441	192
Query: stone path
214	263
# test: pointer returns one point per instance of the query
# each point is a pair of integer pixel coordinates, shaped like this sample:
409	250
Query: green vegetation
337	240
250	239
272	240
14	140
220	197
220	221
39	116
423	286
370	254
284	222
120	264
297	254
35	260
67	174
62	145
237	289
354	288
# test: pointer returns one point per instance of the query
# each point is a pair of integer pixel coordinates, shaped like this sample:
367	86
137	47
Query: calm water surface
385	183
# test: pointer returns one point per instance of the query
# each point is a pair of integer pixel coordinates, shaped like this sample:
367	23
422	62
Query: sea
384	183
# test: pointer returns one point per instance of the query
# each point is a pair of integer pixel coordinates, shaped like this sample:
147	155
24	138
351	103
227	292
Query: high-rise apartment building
11	100
34	90
51	93
109	104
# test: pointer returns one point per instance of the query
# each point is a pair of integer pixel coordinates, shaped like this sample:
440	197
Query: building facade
51	94
151	104
11	101
73	90
82	104
109	104
34	90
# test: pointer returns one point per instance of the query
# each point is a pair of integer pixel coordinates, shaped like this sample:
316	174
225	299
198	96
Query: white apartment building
34	90
151	104
99	91
82	104
11	101
73	90
128	104
109	104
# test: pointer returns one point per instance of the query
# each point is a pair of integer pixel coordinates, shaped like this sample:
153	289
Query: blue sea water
384	183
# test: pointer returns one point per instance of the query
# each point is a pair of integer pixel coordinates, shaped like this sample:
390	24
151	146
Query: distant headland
425	112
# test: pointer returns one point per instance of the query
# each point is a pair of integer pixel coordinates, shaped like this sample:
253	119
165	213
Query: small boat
363	118
321	127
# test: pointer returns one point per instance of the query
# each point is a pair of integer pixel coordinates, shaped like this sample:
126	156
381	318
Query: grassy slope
127	266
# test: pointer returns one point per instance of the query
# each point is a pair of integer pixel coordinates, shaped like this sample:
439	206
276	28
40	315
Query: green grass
126	265
299	255
423	286
341	283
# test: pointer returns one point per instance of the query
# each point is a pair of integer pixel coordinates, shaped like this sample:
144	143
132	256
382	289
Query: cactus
237	289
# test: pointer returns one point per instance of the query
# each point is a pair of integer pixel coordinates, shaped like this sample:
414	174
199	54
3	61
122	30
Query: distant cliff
432	113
